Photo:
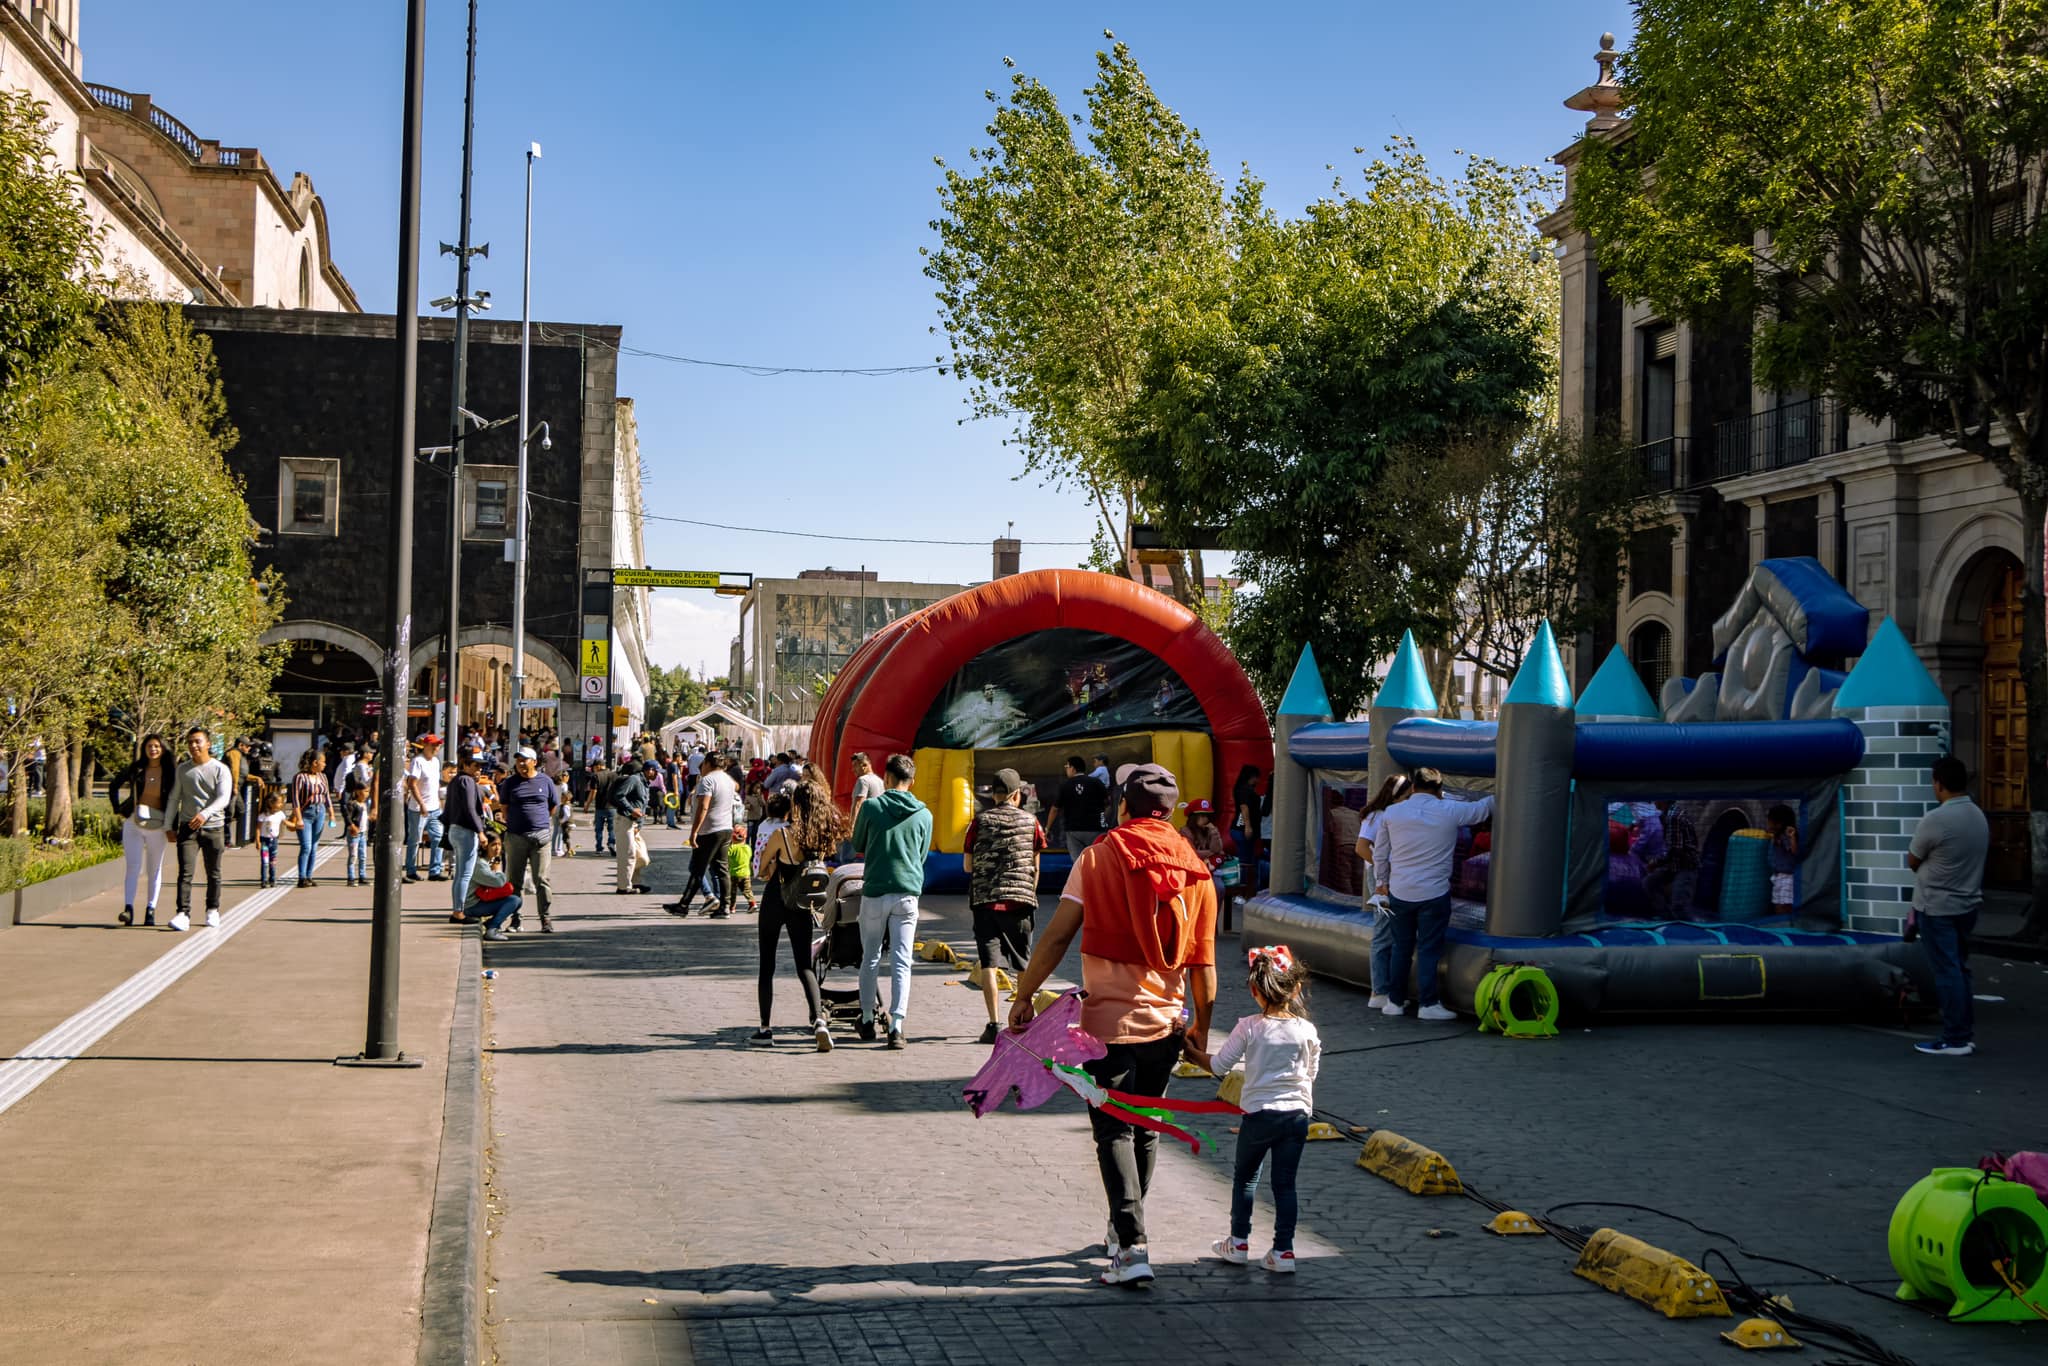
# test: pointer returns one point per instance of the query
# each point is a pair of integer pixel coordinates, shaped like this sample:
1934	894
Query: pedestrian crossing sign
597	658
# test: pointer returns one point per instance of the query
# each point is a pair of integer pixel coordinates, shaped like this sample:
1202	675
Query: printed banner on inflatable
1056	685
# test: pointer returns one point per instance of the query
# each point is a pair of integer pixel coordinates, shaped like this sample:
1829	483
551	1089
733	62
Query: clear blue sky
751	183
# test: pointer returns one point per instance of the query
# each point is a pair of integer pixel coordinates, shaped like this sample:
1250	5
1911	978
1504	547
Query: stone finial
1602	99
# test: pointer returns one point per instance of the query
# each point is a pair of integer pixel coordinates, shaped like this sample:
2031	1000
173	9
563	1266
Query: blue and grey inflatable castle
1629	854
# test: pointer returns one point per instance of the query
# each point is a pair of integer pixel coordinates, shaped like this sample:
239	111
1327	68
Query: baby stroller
837	941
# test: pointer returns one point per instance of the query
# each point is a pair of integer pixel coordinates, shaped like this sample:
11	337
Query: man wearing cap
1003	845
423	809
1145	909
1412	869
529	798
628	798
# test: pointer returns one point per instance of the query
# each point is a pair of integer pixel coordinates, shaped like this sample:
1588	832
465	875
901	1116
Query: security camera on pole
525	437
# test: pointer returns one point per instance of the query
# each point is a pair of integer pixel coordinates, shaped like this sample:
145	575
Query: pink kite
1020	1061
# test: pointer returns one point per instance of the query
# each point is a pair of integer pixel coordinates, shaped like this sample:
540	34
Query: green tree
1055	260
1398	321
673	693
1865	179
49	248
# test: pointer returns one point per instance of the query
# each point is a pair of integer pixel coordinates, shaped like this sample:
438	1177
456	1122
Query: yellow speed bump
1319	1131
1230	1088
1409	1165
1510	1223
1003	982
1761	1335
1649	1275
935	951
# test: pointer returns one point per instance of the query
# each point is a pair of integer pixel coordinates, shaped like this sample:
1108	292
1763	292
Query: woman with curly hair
816	827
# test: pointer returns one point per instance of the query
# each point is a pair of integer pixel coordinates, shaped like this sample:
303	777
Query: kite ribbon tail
1155	1121
1189	1107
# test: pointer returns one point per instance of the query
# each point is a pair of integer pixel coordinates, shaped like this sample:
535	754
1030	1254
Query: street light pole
525	439
380	1043
451	644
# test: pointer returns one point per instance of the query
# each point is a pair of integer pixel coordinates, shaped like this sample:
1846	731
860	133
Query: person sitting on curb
1002	862
1145	908
491	894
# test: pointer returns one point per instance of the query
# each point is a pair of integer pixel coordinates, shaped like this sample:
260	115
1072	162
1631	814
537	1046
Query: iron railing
1791	434
1663	464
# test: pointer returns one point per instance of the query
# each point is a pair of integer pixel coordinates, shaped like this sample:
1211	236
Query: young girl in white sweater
1281	1052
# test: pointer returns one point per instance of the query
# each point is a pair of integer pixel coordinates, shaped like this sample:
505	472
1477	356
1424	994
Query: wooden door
2003	786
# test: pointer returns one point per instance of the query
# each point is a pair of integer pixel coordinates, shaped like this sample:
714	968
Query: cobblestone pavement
664	1193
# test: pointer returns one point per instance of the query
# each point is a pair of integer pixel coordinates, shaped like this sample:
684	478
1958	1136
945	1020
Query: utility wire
805	535
759	371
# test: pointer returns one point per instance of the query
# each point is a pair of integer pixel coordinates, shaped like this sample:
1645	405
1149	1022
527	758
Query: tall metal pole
380	1043
451	644
525	439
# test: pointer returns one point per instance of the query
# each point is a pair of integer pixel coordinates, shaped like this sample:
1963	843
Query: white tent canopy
755	734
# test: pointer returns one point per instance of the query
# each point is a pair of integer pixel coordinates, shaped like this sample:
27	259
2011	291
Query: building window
1649	649
487	495
1649	560
1660	385
305	277
308	497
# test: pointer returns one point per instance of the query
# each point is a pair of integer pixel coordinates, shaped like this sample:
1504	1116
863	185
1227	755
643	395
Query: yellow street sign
666	578
597	658
621	717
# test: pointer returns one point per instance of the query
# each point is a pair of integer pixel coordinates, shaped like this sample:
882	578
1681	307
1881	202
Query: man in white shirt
866	783
423	809
711	833
1412	869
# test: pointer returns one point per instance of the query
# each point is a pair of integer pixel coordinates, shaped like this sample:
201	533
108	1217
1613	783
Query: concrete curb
451	1321
40	898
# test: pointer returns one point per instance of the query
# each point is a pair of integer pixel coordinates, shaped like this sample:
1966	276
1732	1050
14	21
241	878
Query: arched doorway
1649	650
2002	728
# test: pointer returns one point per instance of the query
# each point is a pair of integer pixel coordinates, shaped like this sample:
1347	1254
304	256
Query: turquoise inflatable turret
1533	783
1615	692
1405	692
1305	702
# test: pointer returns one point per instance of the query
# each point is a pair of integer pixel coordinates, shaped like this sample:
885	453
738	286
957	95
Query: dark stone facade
305	384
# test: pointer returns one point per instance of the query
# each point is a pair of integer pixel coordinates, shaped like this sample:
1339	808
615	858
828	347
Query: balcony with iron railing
1777	438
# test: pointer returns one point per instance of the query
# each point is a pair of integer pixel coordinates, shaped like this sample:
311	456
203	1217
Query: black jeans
1125	1152
207	845
775	920
710	856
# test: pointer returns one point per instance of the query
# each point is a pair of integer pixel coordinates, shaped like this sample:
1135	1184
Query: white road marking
41	1060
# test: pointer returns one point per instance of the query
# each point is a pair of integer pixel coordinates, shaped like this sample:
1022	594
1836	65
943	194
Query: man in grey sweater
198	823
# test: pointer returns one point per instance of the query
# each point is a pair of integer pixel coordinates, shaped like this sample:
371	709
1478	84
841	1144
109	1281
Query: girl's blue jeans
359	855
1283	1134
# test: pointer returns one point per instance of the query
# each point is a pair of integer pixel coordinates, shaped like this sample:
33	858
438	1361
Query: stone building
183	218
794	632
310	395
1916	529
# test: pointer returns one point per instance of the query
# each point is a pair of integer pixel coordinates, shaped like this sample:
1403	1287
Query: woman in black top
816	826
141	796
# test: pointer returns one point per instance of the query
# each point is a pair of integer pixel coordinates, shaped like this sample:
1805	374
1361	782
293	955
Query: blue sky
751	183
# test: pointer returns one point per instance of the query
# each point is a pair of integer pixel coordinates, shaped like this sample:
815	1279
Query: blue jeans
1283	1133
1947	938
501	911
314	825
1382	951
462	842
1419	933
886	924
266	861
416	825
601	829
359	856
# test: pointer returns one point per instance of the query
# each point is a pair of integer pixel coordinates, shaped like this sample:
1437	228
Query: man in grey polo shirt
1948	853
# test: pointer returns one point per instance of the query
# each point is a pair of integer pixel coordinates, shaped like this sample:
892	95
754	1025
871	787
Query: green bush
13	858
48	861
91	819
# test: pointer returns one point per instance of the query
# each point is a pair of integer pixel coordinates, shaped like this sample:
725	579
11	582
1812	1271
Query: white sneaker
1109	1247
1236	1251
181	921
1440	1014
1393	1008
824	1032
1279	1263
1129	1266
213	920
1378	1001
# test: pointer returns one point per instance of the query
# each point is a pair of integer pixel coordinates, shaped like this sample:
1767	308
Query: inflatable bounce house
1027	671
1630	850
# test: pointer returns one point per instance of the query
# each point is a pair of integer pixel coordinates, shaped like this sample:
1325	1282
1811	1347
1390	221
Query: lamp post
380	1043
525	438
451	644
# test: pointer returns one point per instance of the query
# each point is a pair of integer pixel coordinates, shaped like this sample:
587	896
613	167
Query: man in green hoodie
891	835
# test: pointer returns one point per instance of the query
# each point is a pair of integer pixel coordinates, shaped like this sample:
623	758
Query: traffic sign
666	578
621	717
597	658
536	704
593	687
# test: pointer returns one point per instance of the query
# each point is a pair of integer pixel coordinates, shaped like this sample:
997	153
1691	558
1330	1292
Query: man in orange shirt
1145	908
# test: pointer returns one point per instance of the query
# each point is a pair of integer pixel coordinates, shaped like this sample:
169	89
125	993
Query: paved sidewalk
203	1185
663	1193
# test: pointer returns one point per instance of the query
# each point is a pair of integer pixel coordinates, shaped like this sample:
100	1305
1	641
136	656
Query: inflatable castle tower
1904	717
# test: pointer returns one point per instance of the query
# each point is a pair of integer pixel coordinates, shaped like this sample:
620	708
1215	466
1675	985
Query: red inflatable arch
881	695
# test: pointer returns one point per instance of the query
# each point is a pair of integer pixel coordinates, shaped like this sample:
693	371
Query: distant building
1916	529
1158	576
185	219
795	632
